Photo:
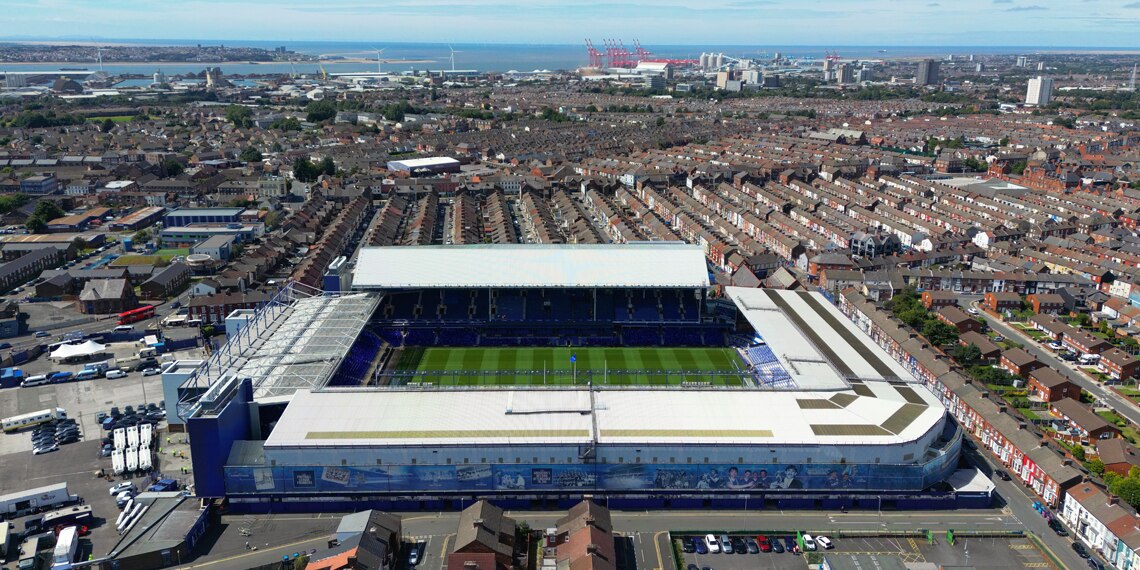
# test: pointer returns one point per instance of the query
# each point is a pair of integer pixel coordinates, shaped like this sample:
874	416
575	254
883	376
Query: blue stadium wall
213	436
309	488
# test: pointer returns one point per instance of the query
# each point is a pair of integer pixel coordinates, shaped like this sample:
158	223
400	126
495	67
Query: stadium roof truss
296	342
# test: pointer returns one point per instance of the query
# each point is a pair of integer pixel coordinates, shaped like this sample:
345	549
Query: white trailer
65	547
34	500
146	435
145	462
118	464
120	437
132	436
132	456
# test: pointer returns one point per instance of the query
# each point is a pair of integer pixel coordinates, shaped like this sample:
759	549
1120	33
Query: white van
123	328
34	381
1090	358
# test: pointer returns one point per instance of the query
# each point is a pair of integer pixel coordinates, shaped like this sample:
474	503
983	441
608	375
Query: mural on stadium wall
620	477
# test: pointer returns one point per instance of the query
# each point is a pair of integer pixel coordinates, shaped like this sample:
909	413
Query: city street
282	535
1118	403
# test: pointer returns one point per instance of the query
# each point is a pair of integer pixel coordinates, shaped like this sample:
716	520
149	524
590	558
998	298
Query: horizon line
18	39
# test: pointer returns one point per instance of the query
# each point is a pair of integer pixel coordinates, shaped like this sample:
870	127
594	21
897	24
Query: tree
240	116
939	333
1066	122
967	355
1131	345
250	154
171	167
660	122
1128	489
45	212
327	166
1096	467
9	202
319	111
107	125
1018	167
305	171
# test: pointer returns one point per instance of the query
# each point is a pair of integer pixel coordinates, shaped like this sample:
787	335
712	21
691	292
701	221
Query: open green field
552	366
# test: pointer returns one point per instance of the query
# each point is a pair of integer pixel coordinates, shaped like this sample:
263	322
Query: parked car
687	546
777	545
120	487
45	449
1002	475
999	338
972	311
750	544
700	546
42	334
790	545
1056	345
711	544
824	542
809	542
725	544
1080	550
4	345
113	374
1058	527
738	545
762	542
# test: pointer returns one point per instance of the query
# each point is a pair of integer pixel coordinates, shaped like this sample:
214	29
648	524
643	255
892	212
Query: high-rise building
846	73
1041	66
927	72
14	81
1021	61
980	67
1040	91
865	74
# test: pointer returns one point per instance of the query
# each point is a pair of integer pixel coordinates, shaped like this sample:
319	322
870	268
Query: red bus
135	315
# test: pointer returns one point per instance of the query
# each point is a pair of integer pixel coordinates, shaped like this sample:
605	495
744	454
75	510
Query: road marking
657	547
443	549
1038	565
1022	547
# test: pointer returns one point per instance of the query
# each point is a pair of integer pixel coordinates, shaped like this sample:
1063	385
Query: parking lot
82	400
76	465
988	552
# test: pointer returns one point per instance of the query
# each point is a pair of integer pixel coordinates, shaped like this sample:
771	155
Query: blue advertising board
596	477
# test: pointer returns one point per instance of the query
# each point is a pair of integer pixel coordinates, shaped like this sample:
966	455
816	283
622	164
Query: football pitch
554	366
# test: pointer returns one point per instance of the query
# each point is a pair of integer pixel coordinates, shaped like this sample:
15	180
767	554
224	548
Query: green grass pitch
552	366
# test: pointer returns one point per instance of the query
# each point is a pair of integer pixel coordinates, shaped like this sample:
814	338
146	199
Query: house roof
1118	450
1048	377
1081	415
1018	357
99	289
484	523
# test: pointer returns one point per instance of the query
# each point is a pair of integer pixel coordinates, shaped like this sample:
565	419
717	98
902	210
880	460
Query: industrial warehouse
333	402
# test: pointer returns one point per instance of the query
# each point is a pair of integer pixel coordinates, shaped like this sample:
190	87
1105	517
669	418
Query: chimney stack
1113	499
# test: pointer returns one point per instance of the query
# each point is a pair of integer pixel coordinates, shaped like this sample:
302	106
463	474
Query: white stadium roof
819	347
645	264
879	413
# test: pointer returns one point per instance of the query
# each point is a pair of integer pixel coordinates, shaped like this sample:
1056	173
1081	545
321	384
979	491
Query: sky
1039	23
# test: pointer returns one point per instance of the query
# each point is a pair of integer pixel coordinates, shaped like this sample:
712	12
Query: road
1118	403
647	529
1019	503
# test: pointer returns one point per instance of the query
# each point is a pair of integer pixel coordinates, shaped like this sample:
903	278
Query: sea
403	57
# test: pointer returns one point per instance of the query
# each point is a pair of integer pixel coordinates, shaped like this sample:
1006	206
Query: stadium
536	375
